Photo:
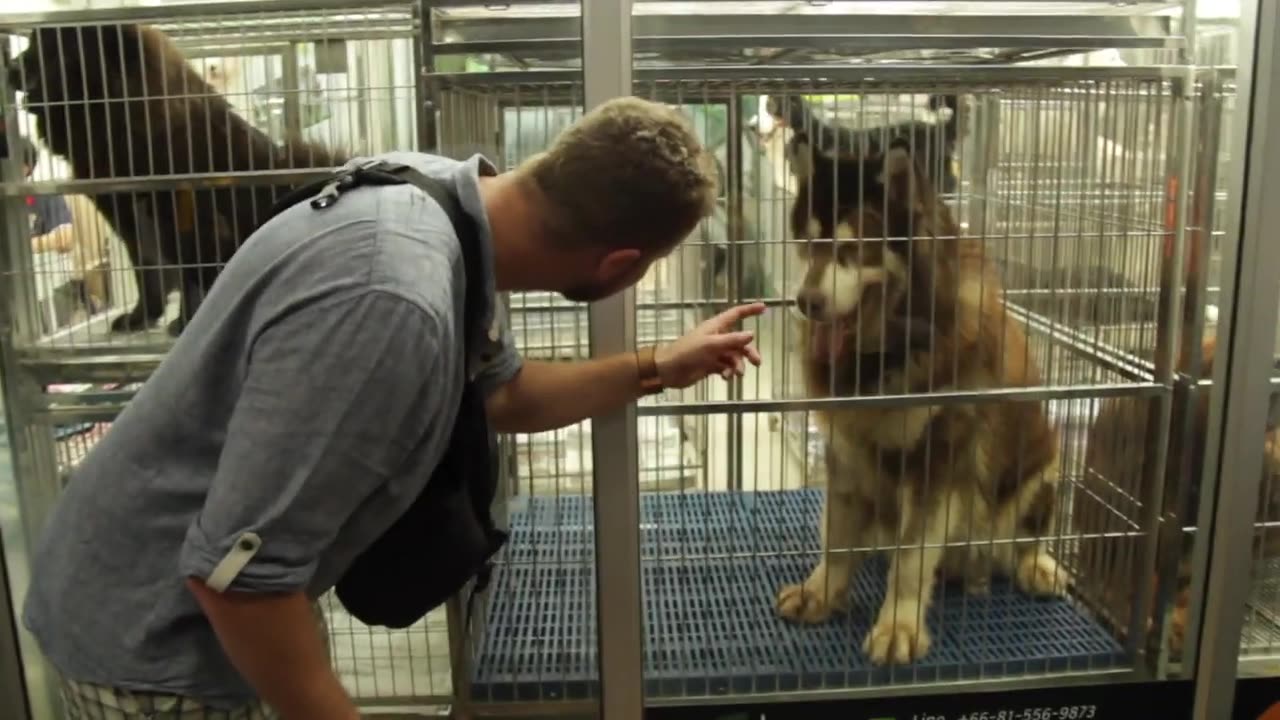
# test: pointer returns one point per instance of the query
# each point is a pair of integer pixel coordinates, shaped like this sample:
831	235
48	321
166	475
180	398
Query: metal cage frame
609	36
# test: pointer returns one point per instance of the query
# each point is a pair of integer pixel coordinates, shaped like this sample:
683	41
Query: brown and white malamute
894	303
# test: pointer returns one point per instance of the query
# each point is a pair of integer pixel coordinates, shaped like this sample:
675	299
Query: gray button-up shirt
303	408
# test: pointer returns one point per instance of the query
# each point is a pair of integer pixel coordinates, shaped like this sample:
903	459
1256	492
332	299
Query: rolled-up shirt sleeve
501	360
335	398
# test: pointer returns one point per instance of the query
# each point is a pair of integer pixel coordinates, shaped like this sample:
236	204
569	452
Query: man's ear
617	263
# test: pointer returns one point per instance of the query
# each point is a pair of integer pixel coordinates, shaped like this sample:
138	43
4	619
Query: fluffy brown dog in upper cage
896	303
120	101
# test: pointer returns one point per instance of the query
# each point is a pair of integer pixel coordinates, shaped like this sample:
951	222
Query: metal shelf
528	40
527	35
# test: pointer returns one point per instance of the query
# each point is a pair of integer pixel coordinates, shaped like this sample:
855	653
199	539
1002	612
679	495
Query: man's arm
58	239
333	402
548	395
55	218
282	655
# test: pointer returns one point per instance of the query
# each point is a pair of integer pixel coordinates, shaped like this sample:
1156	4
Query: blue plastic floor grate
1261	632
712	564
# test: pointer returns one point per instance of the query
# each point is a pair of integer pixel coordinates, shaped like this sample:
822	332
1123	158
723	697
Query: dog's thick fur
1116	459
911	308
121	101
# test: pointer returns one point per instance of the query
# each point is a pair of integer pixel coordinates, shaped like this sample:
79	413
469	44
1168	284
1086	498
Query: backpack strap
385	563
327	191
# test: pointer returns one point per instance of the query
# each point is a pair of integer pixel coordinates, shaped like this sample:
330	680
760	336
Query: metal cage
339	76
751	472
1098	194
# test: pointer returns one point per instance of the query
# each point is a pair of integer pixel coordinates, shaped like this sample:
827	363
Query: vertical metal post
985	131
1168	327
291	87
460	649
424	61
1246	330
735	216
1188	393
606	62
1190	33
426	139
21	394
13	686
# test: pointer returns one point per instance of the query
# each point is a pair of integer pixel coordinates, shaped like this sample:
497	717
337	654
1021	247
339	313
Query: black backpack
447	536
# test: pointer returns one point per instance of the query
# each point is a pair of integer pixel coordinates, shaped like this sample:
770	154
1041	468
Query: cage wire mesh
1064	183
304	89
1260	638
302	92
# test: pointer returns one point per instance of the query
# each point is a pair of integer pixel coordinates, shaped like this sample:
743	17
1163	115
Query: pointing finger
734	315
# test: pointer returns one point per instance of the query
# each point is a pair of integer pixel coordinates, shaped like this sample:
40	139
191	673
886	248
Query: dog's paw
1040	574
896	640
978	586
805	604
131	322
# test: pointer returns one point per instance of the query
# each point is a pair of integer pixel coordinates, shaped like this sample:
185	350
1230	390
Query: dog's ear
23	67
13	74
900	175
800	153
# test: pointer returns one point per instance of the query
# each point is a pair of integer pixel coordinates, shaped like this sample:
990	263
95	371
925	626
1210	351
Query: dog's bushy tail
950	126
937	102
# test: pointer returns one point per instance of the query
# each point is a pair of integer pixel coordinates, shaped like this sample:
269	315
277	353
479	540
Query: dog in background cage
894	302
120	101
1115	462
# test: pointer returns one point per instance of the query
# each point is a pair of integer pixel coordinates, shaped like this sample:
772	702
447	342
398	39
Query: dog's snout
812	304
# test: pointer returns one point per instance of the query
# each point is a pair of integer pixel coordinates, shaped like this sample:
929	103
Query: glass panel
1260	636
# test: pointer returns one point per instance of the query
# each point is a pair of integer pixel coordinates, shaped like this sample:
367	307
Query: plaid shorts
87	701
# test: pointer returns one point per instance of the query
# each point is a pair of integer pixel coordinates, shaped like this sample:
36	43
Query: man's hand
712	347
59	240
549	395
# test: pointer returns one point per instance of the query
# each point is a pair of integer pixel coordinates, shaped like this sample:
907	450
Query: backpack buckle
331	192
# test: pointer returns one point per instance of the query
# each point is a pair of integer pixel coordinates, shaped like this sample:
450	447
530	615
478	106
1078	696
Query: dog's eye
850	254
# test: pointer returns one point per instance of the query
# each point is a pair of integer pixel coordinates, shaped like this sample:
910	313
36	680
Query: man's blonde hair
629	174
